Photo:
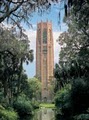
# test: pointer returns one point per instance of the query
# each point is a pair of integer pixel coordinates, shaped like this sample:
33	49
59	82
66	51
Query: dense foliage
33	88
14	50
73	67
7	114
16	91
23	106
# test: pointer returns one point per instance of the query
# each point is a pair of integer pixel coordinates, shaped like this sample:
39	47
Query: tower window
39	35
45	36
44	49
49	34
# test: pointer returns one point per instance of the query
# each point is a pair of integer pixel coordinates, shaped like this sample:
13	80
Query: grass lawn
47	105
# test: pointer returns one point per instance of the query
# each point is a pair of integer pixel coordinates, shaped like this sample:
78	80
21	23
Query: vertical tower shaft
44	57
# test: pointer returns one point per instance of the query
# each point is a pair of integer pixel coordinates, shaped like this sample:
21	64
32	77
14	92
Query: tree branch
10	12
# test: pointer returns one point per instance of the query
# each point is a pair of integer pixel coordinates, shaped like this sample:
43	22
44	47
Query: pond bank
47	105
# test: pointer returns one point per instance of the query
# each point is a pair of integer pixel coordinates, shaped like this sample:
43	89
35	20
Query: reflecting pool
41	114
44	114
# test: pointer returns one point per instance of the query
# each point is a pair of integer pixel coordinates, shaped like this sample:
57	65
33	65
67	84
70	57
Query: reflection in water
44	114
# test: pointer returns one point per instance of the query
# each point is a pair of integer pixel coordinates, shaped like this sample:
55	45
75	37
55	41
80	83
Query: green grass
47	105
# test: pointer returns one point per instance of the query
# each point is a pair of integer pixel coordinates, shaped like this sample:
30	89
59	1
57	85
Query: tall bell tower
45	58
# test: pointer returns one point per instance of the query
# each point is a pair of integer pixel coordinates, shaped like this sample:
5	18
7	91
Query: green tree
62	75
74	58
63	103
33	89
14	51
21	10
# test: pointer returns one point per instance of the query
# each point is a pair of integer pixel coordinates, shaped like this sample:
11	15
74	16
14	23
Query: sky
57	28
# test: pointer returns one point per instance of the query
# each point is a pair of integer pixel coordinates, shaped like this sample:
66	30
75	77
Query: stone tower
45	58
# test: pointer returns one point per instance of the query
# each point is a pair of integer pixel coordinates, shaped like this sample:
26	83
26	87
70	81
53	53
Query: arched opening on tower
45	99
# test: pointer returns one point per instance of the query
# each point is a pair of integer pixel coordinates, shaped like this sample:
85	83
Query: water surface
44	114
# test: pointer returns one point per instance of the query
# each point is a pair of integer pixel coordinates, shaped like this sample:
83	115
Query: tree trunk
19	78
5	85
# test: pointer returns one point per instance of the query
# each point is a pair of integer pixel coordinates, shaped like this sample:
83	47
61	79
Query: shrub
35	104
62	97
23	106
80	96
82	117
74	102
1	107
63	102
7	114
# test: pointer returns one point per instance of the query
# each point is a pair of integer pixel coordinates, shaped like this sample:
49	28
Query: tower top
42	22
